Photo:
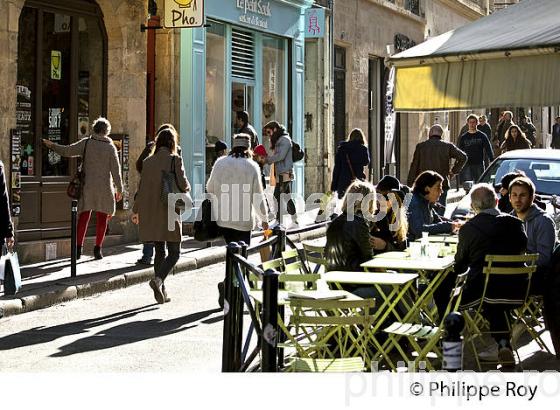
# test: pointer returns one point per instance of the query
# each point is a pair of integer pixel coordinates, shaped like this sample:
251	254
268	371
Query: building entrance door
242	97
60	91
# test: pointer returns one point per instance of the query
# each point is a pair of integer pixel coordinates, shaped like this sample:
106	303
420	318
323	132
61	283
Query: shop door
54	101
241	100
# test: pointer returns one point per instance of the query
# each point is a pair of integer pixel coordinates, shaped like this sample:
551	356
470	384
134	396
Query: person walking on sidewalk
235	183
102	170
435	154
515	139
478	149
281	159
148	247
151	213
6	225
555	143
351	158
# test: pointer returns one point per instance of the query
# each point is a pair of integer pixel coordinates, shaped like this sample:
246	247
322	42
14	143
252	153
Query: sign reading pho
183	13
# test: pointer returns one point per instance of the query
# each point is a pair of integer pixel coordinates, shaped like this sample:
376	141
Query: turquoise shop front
248	57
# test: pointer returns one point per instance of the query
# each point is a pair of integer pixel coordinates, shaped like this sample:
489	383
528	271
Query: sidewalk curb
79	288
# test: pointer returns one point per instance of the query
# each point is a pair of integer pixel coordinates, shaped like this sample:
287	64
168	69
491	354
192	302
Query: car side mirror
467	186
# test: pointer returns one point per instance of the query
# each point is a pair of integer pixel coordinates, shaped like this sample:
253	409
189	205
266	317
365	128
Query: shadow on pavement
38	335
131	333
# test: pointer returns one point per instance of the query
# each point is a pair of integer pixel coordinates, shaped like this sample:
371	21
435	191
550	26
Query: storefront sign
183	13
15	177
254	12
390	118
56	65
314	23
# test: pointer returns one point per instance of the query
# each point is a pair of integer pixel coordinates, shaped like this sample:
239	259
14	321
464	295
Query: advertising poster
15	184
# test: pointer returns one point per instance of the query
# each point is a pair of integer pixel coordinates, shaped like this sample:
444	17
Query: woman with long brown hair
151	213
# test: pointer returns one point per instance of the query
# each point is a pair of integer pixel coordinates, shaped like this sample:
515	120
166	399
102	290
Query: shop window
215	90
25	104
56	87
274	81
90	74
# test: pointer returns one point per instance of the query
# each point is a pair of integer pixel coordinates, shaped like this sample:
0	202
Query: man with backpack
283	165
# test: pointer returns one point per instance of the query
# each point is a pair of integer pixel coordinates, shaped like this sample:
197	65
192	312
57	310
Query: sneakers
156	285
166	299
489	354
505	357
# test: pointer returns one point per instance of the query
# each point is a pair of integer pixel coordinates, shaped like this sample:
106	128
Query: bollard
231	359
73	239
269	350
453	342
280	232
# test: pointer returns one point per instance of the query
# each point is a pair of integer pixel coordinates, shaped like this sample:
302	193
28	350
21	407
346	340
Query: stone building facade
365	33
97	58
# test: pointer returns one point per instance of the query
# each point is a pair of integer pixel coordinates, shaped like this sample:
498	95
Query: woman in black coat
351	158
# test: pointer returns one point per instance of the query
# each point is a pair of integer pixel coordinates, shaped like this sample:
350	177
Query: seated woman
348	239
390	232
422	216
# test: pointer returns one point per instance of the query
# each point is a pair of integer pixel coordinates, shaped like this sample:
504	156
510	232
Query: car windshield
545	173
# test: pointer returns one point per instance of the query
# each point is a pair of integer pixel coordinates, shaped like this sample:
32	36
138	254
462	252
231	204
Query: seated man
489	232
541	232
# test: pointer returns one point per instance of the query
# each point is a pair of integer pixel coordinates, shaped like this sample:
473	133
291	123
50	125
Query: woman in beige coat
151	213
102	171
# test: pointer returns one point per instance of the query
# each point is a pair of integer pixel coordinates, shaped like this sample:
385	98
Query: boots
97	252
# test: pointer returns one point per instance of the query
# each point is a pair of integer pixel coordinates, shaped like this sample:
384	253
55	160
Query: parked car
542	166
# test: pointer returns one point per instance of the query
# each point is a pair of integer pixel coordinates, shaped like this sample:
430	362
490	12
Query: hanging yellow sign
56	65
183	13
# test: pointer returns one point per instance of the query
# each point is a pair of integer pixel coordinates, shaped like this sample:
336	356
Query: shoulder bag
169	186
76	185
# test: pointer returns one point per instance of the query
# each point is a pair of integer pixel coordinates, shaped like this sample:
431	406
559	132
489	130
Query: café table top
441	239
367	278
406	262
284	296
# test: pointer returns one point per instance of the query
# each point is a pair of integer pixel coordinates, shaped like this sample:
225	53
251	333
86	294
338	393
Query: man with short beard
541	232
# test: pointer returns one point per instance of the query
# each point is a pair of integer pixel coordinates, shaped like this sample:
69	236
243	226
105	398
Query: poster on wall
56	65
15	178
125	170
24	116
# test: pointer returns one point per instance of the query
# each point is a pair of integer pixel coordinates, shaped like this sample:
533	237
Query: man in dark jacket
478	149
495	233
540	228
529	130
436	155
484	126
243	127
555	143
505	122
6	226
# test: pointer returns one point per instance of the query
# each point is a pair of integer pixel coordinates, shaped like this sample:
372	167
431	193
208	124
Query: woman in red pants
102	171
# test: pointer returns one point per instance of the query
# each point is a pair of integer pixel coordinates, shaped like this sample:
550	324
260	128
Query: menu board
15	184
24	116
122	144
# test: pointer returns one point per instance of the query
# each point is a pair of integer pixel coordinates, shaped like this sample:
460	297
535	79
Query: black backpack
297	152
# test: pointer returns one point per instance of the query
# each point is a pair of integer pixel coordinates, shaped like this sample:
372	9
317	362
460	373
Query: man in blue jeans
478	149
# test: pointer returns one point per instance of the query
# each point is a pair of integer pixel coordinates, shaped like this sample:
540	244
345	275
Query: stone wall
8	72
126	87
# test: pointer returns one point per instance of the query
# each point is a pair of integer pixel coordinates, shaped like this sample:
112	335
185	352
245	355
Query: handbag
76	185
205	227
169	186
10	273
